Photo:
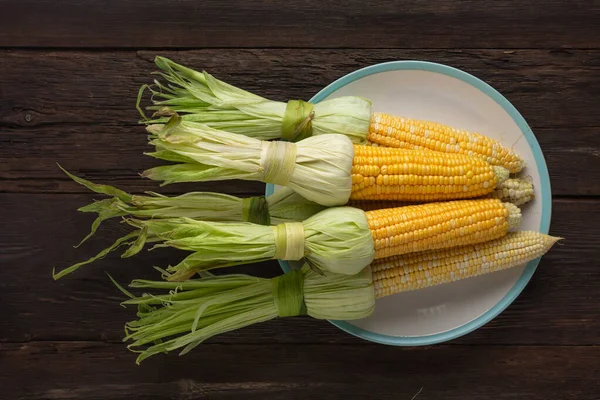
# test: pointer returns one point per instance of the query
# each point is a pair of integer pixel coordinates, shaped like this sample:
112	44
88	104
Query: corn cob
380	173
326	169
390	131
439	225
338	239
517	191
419	270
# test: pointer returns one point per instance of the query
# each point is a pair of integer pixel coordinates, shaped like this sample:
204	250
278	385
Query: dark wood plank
108	154
83	370
573	160
557	307
302	24
57	87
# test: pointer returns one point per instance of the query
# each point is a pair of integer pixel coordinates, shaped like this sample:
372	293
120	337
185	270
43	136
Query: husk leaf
200	97
336	240
198	309
322	172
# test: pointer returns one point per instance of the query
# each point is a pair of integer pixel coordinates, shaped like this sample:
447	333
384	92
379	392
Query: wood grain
56	370
300	24
84	305
75	87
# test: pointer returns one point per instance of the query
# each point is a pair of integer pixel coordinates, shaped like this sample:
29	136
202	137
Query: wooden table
69	75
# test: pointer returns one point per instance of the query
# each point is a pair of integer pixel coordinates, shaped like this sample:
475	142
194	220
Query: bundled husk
200	97
334	240
283	206
197	309
320	169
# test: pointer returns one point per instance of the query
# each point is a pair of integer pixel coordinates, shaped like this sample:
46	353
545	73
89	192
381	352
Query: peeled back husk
322	170
200	97
195	310
334	240
284	205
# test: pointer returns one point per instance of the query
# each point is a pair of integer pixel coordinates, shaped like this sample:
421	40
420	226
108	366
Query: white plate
447	95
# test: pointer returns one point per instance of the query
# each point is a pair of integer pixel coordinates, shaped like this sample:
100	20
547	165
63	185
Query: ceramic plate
447	95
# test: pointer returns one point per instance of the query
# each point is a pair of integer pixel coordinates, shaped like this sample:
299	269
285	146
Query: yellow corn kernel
405	133
517	191
367	205
380	173
429	268
430	226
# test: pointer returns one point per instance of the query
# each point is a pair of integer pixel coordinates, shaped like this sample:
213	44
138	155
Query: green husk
123	241
321	173
283	206
195	310
200	97
335	240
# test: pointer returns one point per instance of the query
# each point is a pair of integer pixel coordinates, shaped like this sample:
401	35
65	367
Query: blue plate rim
545	190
